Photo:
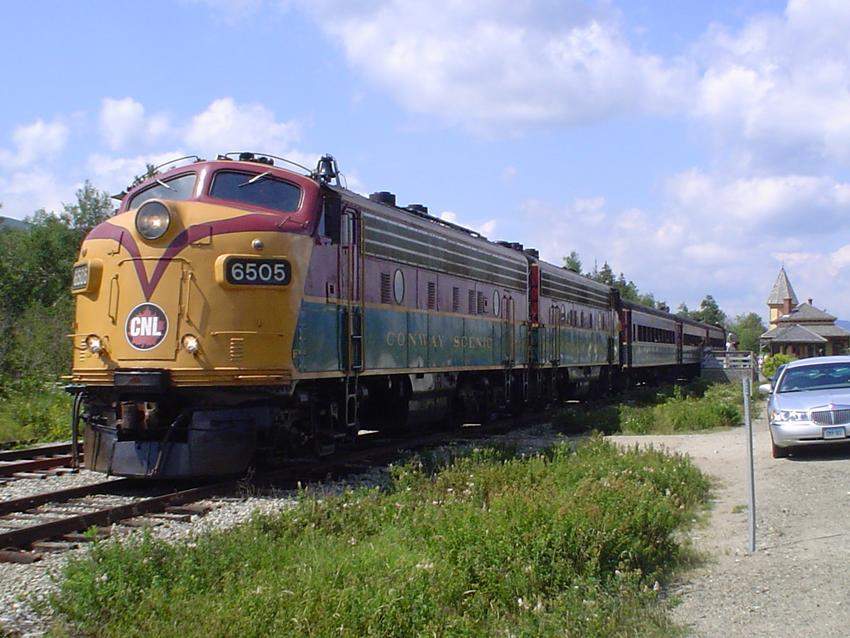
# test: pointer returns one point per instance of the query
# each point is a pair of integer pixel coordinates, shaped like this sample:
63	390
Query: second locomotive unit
233	309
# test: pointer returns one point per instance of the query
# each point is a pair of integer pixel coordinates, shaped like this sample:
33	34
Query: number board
243	271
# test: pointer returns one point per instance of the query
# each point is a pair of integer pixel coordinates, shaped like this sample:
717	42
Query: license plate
833	433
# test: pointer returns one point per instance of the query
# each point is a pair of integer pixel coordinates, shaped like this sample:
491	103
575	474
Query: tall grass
34	412
697	406
566	543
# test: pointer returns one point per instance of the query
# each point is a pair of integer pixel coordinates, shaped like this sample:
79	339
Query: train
247	309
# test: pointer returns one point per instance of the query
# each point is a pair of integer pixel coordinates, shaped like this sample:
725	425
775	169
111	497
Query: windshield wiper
164	185
256	178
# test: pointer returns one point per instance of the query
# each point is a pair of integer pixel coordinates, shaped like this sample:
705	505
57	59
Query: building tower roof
782	290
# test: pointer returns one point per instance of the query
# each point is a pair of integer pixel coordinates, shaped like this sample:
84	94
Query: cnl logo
146	326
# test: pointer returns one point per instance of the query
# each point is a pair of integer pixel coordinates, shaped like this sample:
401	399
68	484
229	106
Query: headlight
790	416
80	277
153	219
95	344
191	343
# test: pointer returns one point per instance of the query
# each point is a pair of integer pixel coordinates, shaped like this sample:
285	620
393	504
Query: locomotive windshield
257	189
174	188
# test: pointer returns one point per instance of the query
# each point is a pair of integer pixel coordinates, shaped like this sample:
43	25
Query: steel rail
61	496
380	451
35	465
38	450
24	537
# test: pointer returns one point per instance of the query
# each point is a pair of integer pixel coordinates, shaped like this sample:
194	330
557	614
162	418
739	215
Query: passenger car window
178	188
257	189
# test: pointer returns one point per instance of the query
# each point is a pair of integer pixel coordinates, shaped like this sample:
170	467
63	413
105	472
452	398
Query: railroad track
35	462
59	520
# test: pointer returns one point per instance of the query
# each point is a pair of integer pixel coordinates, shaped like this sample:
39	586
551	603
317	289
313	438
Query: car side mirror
765	388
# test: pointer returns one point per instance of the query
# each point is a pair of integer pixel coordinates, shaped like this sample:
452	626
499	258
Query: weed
566	542
672	409
34	412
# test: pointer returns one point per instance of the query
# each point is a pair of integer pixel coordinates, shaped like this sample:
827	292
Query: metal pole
751	484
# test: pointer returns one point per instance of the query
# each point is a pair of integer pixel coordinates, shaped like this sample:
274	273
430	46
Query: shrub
772	362
568	542
695	406
35	412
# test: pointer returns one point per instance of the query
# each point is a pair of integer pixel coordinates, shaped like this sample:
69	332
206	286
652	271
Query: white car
809	404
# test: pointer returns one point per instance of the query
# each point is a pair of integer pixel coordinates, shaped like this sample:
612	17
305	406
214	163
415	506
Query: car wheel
779	452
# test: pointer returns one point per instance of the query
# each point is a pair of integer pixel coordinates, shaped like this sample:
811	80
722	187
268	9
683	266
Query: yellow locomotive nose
187	302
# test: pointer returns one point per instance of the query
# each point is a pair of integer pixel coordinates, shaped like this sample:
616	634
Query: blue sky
695	146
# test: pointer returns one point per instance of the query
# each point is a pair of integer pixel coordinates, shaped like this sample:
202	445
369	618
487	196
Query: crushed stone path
798	581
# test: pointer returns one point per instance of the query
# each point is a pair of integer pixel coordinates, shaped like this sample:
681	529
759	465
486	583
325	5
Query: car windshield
174	188
822	376
259	189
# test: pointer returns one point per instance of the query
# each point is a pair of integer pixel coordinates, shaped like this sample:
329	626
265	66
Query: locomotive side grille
237	348
386	287
455	299
472	302
481	303
405	243
432	295
84	349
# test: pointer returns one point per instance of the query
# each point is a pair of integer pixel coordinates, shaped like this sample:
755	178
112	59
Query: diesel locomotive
235	310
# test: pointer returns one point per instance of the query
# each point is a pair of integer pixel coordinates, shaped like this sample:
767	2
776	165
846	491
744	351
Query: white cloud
486	228
778	89
39	140
712	234
226	125
114	173
25	191
502	63
774	205
124	122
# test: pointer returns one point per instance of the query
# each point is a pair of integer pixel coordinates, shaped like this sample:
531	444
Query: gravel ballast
21	585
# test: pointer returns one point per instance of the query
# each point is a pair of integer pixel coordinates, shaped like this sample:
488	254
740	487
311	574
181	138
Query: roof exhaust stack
383	197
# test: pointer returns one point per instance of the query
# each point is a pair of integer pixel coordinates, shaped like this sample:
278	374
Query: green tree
748	328
35	282
91	208
628	290
573	262
604	275
710	312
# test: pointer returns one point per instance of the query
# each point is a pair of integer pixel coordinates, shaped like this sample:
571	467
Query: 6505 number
257	272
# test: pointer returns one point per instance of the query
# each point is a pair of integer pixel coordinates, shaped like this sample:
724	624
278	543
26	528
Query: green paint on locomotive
405	339
565	346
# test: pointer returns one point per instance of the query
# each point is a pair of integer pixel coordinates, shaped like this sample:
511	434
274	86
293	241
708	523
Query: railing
730	360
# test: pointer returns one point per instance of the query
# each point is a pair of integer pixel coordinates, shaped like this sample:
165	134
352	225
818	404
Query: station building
800	329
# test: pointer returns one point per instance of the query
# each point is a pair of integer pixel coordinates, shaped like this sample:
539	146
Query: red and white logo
146	326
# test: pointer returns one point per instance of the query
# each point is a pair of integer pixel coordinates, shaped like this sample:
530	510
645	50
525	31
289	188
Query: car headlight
790	416
153	219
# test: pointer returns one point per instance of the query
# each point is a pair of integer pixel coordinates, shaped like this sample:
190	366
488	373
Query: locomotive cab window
256	189
176	188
